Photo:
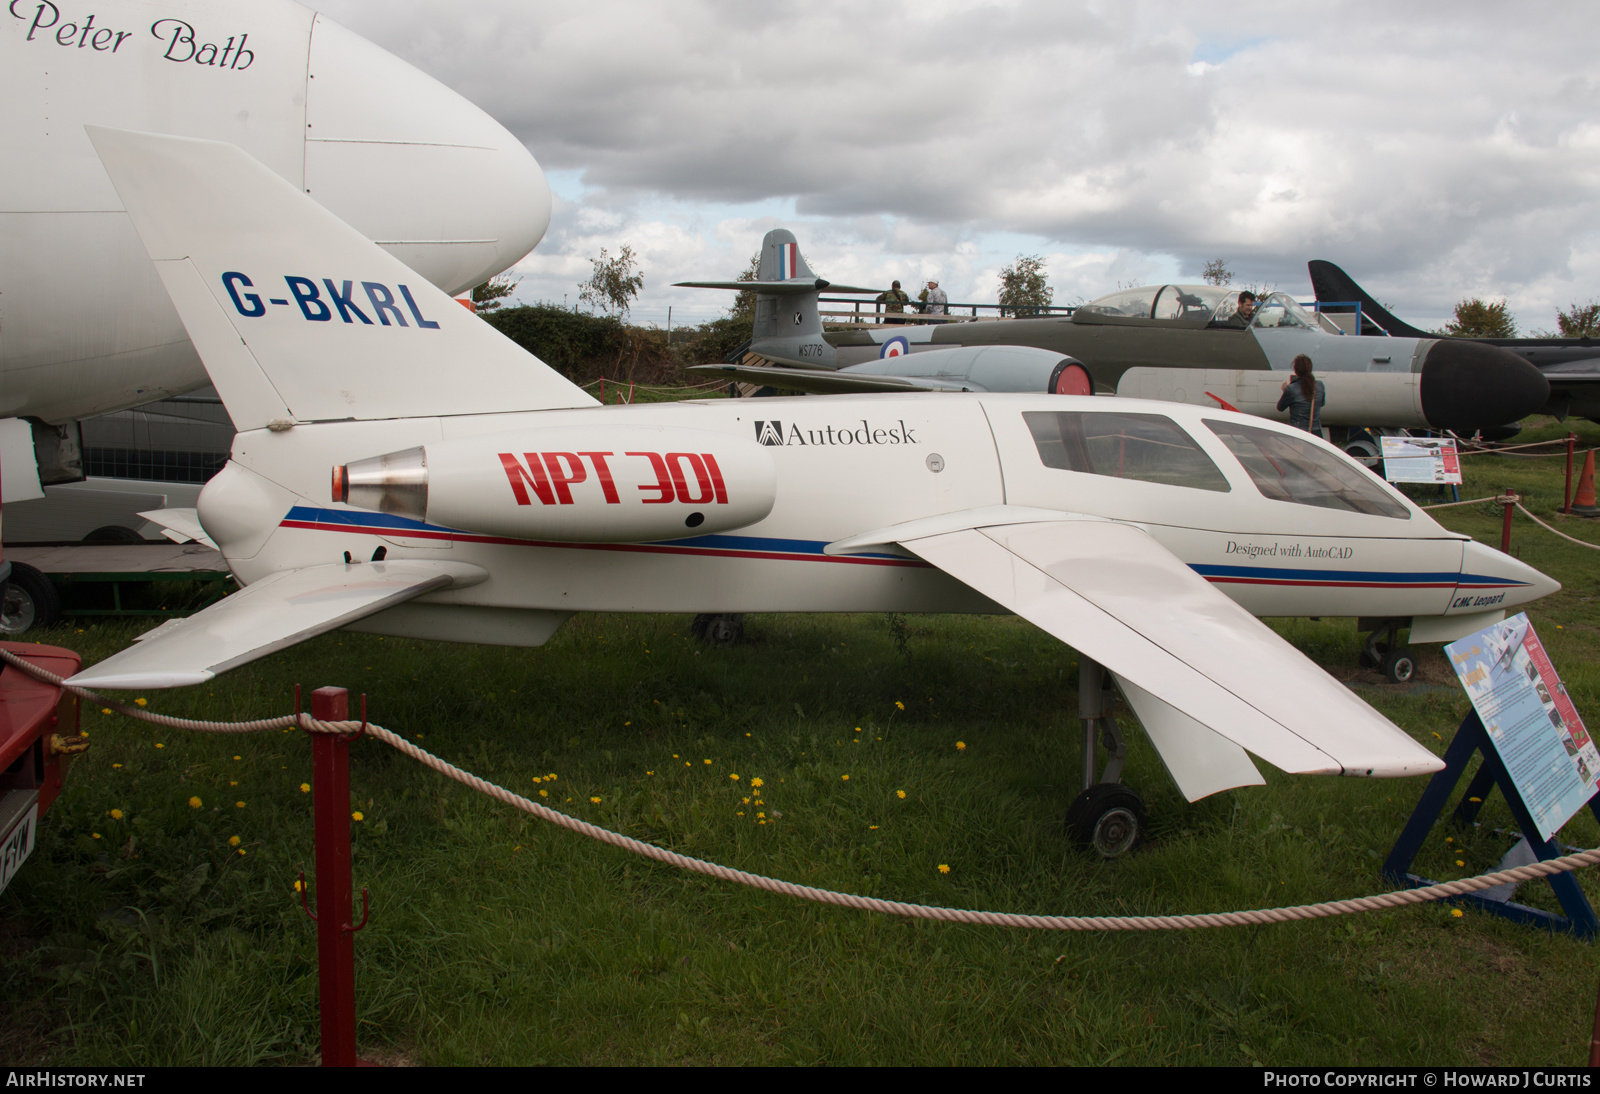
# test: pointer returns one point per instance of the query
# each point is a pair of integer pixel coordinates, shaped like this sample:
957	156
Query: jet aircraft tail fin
296	315
788	323
1333	286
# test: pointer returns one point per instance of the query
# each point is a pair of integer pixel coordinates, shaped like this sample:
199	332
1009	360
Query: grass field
145	938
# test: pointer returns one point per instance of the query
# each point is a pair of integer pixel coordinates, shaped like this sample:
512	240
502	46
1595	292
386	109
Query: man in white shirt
936	300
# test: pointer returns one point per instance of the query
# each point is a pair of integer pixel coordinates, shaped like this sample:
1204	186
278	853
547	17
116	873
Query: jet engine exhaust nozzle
396	484
1468	385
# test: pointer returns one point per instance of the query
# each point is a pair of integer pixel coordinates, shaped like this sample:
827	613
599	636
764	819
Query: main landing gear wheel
1108	819
1398	667
718	630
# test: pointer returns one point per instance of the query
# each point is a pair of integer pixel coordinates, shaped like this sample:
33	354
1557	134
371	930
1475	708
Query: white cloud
1433	150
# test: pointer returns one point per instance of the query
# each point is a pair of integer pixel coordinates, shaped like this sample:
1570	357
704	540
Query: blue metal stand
1470	738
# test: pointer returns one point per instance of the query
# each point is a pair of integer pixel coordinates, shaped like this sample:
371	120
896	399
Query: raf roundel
894	347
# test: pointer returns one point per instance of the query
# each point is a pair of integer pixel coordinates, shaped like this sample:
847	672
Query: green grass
496	939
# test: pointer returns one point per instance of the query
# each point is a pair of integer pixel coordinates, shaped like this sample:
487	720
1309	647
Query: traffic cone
1583	504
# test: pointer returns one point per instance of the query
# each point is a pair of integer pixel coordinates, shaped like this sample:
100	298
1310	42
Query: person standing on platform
934	303
1303	397
894	303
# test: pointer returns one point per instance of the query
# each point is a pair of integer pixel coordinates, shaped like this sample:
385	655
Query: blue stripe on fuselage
365	521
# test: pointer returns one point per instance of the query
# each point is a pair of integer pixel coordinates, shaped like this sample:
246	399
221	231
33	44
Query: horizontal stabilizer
269	615
1113	593
180	526
810	284
278	295
821	381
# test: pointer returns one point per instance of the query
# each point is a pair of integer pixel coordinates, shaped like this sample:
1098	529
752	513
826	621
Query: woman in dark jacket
1304	397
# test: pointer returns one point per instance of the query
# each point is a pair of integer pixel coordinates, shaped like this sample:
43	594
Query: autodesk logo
771	433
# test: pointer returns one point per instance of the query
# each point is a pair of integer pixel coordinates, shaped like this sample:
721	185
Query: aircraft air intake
601	484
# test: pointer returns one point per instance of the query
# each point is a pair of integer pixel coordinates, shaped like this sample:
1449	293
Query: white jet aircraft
85	326
490	506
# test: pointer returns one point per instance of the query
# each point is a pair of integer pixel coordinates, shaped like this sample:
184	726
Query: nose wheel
1384	652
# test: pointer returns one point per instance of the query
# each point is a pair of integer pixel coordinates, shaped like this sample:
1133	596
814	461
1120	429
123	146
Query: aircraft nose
1488	574
414	166
1470	385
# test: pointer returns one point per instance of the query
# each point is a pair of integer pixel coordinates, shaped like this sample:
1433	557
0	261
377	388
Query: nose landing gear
1107	818
1385	652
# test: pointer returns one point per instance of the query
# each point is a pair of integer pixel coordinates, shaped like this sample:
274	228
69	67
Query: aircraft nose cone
1496	580
415	167
1469	385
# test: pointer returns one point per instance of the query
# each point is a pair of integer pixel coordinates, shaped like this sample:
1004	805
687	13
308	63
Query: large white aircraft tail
296	315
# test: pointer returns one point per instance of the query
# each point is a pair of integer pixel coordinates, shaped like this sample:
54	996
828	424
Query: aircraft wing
822	381
1113	593
269	615
1574	387
180	526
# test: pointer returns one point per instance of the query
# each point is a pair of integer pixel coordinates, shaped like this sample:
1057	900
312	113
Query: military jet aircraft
1186	343
1571	365
366	492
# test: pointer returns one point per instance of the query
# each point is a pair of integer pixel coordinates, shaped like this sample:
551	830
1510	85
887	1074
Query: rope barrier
1471	448
1513	499
1396	899
1557	531
1453	504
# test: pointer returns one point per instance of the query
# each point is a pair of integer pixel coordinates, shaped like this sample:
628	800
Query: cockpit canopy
1194	304
1281	311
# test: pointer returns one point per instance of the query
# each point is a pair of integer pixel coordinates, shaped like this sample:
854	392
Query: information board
1421	459
1531	721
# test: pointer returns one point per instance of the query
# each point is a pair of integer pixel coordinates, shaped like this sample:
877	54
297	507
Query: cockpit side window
1287	468
1147	447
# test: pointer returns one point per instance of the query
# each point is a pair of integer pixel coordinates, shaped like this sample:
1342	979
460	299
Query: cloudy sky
1435	150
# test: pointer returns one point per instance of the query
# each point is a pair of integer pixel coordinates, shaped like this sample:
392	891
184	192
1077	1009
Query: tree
1216	273
1476	319
615	284
492	293
1580	322
1022	286
744	304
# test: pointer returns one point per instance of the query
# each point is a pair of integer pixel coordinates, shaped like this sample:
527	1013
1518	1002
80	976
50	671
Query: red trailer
38	738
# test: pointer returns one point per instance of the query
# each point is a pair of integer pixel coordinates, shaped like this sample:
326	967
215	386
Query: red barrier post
1505	531
336	959
1566	494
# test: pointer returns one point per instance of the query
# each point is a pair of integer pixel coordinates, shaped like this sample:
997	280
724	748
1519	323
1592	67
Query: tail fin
1333	285
781	259
296	315
788	325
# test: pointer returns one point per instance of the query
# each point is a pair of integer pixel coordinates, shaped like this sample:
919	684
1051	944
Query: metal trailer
41	575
